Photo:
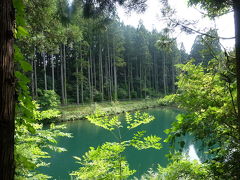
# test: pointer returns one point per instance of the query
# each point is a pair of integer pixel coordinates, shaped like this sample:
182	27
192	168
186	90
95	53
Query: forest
73	73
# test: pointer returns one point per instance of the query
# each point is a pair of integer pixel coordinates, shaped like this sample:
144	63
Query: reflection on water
192	153
86	134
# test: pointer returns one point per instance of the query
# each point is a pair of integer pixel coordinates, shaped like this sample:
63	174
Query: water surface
86	134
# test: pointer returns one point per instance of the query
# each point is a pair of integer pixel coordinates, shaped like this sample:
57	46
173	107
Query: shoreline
79	112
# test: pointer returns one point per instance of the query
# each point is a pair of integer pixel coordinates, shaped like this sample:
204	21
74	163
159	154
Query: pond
86	134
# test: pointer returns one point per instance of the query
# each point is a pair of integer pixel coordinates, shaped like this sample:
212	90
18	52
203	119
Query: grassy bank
76	112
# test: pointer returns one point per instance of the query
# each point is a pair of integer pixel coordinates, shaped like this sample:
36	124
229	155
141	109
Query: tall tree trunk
82	100
110	78
94	73
236	7
145	82
77	79
129	79
125	76
115	80
115	75
44	69
101	71
32	77
107	77
53	78
89	81
35	75
91	75
7	90
82	85
164	74
131	73
65	74
109	70
173	78
140	79
62	75
157	75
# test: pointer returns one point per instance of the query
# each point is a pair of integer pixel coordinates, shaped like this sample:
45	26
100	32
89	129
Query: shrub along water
76	112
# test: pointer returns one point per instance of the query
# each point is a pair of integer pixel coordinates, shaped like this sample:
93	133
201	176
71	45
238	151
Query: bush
97	95
48	99
184	169
122	93
133	94
167	100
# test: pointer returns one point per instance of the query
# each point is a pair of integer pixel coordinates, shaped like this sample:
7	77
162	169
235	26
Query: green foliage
206	48
214	7
179	168
31	142
97	95
165	42
122	93
147	142
106	122
50	115
209	96
74	112
167	100
184	169
133	94
20	13
137	119
48	99
106	161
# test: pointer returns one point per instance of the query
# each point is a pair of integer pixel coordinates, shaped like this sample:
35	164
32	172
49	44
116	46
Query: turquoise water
86	134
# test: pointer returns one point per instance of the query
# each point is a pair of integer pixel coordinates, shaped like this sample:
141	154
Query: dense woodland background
85	54
96	59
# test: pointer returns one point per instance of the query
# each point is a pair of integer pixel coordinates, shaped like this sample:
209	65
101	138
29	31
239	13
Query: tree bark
145	82
140	78
32	78
89	81
94	72
156	76
77	79
101	71
115	75
7	91
91	75
44	69
173	77
35	77
62	76
236	7
82	79
164	74
107	77
65	74
129	79
53	78
109	69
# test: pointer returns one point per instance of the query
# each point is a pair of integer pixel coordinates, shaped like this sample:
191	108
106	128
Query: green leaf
31	129
21	76
137	119
25	66
22	32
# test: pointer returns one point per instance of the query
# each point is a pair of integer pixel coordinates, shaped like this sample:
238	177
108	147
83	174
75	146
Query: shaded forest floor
77	112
